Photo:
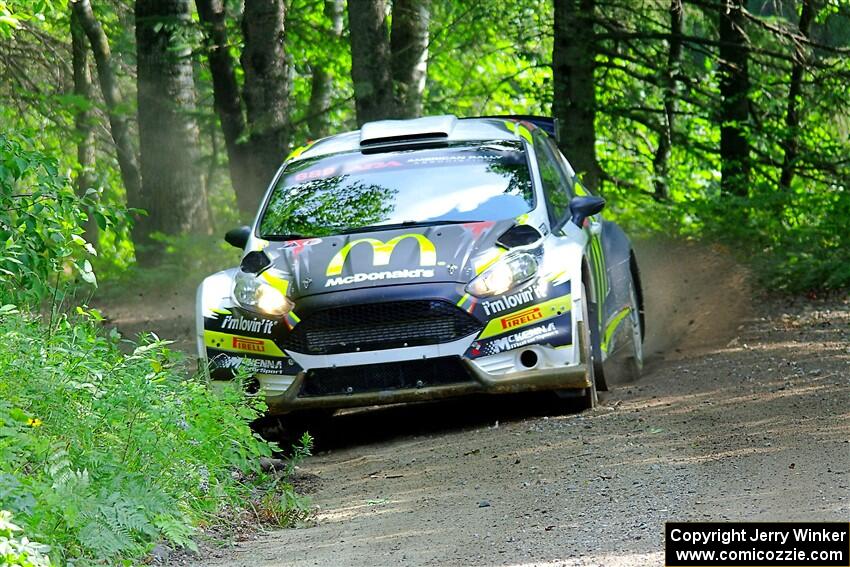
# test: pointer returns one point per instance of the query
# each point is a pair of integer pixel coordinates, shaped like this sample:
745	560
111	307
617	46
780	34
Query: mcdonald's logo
383	251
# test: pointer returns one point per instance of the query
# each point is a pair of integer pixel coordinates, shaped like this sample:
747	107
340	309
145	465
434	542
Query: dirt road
743	414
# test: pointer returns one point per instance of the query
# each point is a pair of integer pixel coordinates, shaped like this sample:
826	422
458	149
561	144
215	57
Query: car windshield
345	192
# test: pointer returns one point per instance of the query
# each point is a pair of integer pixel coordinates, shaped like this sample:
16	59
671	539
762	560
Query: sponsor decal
514	300
521	318
372	165
311	174
522	338
298	246
250	345
262	365
226	341
375	276
382	251
238	323
546	310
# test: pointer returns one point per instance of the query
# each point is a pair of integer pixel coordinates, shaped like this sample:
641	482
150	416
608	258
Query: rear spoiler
546	123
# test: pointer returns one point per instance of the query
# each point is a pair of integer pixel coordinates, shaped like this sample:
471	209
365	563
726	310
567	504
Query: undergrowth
105	454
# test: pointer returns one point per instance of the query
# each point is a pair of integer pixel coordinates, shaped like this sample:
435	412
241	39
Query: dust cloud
696	297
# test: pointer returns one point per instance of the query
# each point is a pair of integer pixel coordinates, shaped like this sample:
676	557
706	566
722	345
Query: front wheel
586	398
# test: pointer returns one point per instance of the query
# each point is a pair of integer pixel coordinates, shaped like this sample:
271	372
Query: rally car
421	259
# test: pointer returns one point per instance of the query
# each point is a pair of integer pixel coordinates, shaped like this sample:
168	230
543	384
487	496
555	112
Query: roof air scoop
389	131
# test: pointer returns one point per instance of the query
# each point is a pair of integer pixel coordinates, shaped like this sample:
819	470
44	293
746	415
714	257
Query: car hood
443	253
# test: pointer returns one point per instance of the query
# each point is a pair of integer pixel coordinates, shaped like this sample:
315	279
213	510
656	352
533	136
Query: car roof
387	135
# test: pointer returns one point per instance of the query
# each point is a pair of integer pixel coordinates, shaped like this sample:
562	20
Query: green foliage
791	236
495	57
19	551
103	454
41	220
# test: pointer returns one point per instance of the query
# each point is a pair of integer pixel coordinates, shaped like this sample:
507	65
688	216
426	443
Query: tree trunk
83	121
370	60
735	103
321	85
574	105
127	162
320	101
227	100
409	55
792	116
661	159
174	191
266	94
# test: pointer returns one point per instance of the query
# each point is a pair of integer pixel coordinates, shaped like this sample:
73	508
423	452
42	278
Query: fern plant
104	454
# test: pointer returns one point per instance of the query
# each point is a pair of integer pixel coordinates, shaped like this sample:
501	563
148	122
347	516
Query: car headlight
513	269
251	292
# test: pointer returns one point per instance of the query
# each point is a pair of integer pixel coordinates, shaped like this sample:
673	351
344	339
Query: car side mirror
238	237
583	207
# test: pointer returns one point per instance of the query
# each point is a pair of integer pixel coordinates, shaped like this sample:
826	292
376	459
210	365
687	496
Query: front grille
386	376
378	326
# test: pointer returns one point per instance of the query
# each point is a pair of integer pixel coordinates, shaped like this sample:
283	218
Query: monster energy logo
382	252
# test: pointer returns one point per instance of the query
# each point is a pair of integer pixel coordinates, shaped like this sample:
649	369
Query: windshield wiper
281	237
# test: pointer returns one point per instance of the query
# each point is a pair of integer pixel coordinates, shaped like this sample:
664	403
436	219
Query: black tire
596	342
590	397
286	430
633	352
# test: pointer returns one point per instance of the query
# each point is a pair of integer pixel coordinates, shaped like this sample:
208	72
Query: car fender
213	293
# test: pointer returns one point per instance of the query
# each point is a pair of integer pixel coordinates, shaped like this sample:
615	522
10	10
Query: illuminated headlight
508	272
252	293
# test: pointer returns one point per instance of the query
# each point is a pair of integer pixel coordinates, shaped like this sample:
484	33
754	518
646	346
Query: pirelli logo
219	340
521	318
251	345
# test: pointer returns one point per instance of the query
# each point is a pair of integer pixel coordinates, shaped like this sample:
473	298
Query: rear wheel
634	332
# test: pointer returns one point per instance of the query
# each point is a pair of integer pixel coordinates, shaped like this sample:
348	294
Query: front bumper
554	369
526	349
282	395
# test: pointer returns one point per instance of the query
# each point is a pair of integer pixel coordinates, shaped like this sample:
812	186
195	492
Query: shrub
103	454
19	552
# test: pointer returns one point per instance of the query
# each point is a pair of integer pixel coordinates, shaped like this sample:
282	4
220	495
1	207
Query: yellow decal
518	129
299	150
279	284
236	343
612	326
488	259
383	251
527	316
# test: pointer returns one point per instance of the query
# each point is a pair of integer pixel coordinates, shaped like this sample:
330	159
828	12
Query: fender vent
519	235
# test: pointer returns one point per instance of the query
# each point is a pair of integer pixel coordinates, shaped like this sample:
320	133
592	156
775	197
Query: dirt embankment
743	414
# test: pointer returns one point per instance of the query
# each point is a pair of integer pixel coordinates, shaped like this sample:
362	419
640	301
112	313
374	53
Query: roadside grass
105	454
